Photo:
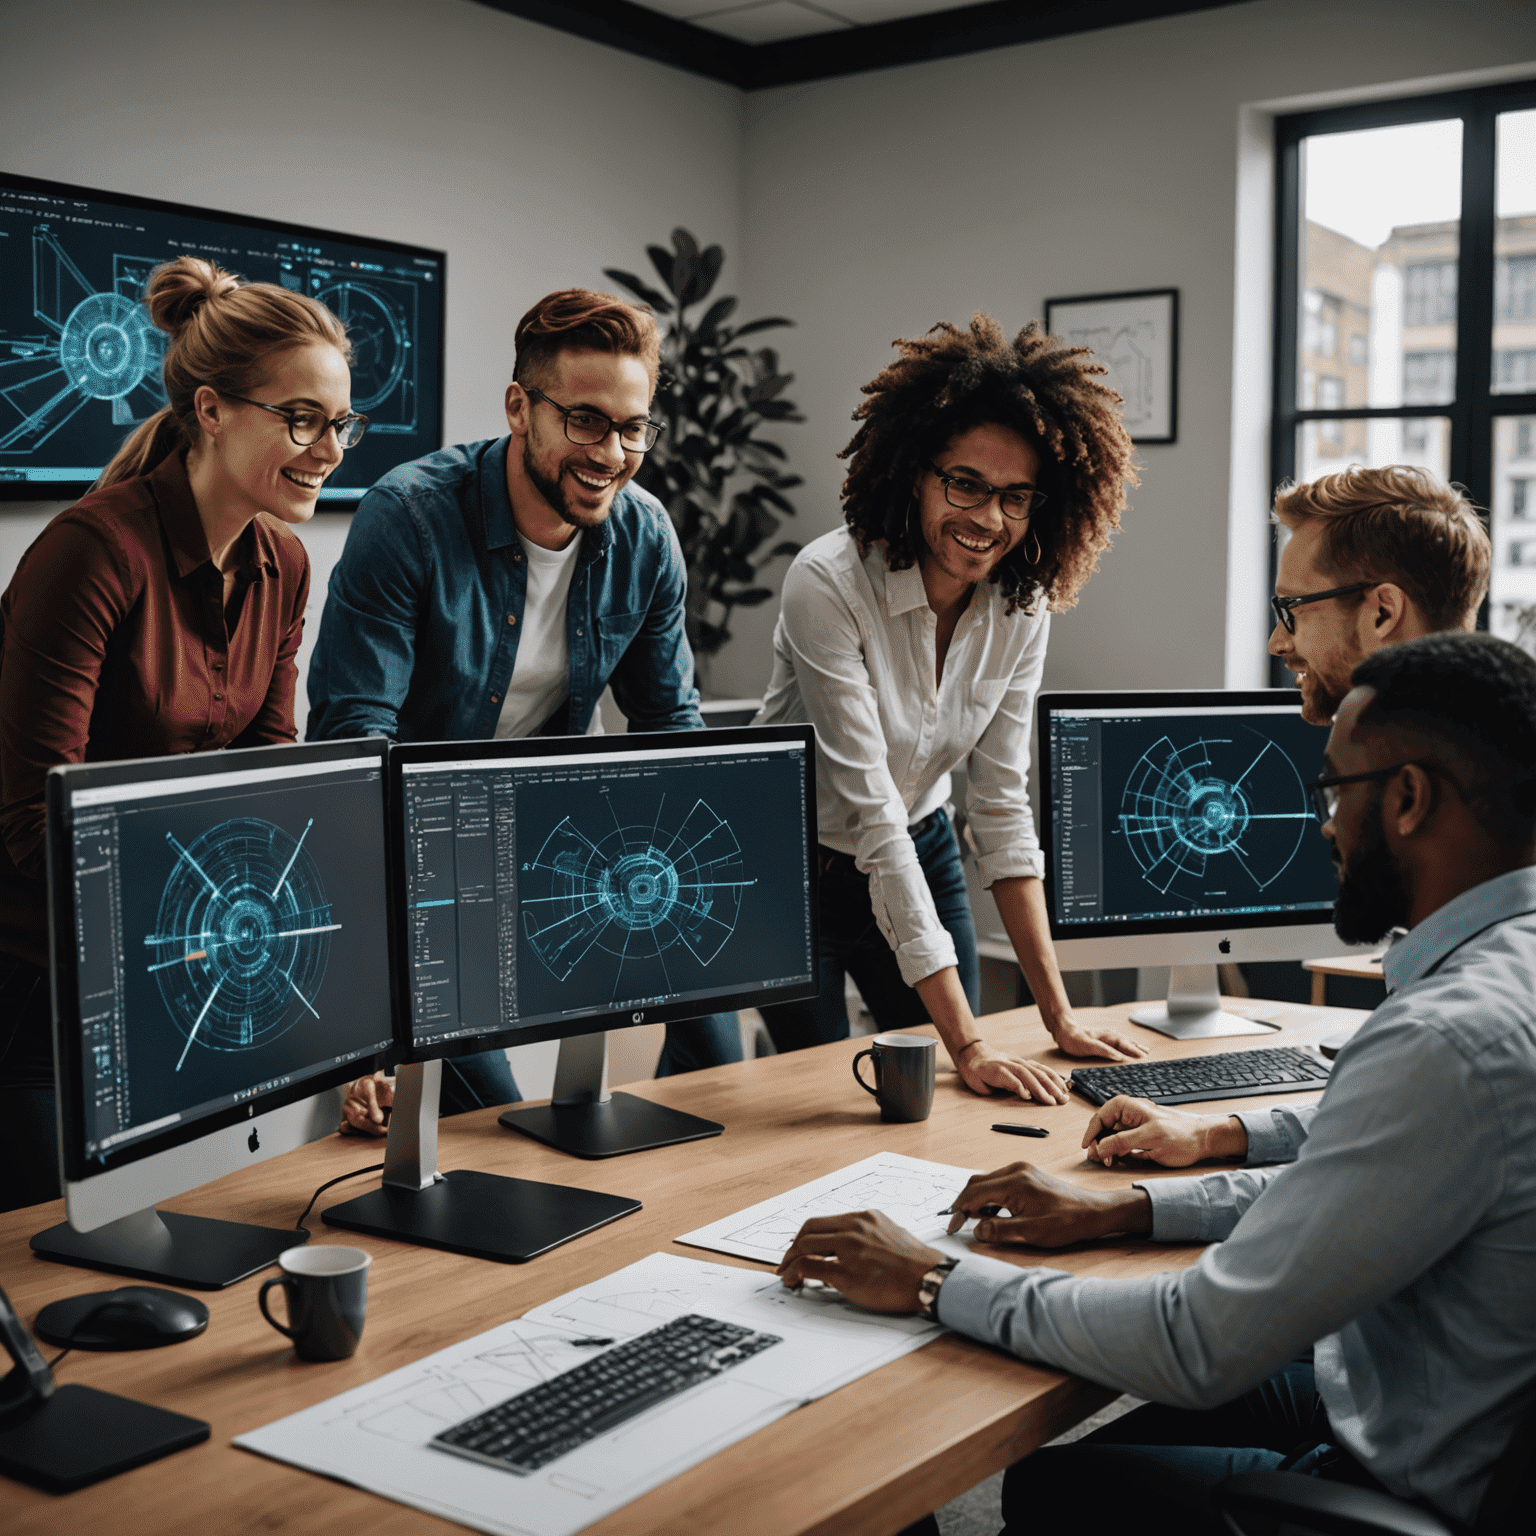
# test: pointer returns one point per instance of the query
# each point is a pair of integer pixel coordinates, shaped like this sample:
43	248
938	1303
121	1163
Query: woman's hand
1147	1132
1044	1211
363	1109
1095	1040
986	1071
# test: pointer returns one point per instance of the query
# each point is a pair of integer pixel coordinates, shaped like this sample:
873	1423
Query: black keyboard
1232	1075
547	1421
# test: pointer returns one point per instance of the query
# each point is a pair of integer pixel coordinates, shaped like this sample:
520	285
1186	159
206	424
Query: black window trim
1472	411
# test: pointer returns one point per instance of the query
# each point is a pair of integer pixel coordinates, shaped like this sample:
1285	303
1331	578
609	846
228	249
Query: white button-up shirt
854	654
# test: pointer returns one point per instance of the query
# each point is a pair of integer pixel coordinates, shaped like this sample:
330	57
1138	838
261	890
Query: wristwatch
928	1288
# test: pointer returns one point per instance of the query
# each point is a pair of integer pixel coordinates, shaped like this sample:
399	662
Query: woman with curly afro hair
987	475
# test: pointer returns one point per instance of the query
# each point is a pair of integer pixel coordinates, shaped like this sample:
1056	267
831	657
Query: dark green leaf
753	326
661	259
786	547
658	301
750	598
715	314
684	243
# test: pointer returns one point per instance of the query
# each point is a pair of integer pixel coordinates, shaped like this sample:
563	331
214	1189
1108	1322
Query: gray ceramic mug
327	1291
904	1068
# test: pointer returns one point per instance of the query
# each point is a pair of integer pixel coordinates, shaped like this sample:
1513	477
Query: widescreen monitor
220	947
1178	831
558	889
80	360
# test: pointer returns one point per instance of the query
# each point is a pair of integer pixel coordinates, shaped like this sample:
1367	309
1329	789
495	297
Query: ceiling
758	43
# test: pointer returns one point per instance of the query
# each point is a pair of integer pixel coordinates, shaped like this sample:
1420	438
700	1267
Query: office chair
1263	1503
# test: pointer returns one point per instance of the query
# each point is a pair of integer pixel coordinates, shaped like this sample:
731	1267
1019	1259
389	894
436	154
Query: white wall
533	158
879	204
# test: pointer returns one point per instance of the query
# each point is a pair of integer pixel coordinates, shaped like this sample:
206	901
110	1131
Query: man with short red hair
495	589
1374	556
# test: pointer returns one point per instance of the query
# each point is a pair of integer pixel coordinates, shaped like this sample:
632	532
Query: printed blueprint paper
375	1436
907	1189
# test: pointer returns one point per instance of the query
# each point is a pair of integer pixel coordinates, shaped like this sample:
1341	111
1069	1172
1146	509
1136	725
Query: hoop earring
1036	557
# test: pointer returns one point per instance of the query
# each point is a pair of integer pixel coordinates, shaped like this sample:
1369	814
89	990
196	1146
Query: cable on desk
90	1317
356	1173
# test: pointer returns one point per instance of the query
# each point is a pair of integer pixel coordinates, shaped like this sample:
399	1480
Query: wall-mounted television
80	360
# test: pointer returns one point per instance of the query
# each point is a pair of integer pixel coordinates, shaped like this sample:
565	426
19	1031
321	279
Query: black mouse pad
68	1324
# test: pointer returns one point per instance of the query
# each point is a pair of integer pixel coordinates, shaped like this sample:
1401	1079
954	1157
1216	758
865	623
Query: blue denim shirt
420	629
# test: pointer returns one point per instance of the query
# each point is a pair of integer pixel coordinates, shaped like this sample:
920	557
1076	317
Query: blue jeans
852	945
1162	1463
476	1082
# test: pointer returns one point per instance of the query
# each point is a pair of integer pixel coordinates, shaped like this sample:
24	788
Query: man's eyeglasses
306	427
1325	790
591	427
1284	606
966	494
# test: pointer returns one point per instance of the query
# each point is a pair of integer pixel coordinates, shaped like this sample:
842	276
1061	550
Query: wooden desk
1358	967
865	1461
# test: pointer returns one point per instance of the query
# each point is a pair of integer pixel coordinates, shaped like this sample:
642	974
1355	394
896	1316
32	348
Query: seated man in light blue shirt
1367	1311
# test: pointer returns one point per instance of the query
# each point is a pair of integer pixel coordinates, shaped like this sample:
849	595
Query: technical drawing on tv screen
80	359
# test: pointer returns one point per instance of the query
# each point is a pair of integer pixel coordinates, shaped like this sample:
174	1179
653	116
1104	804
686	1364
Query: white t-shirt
541	675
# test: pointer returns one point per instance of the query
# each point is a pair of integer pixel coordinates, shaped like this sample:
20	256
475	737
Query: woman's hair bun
178	289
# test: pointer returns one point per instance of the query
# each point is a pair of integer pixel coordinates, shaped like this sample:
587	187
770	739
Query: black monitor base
79	1436
619	1124
196	1251
481	1214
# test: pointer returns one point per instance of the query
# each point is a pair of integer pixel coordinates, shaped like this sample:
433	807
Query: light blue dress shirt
1399	1241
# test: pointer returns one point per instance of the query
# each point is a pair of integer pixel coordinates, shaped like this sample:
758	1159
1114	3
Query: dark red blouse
113	643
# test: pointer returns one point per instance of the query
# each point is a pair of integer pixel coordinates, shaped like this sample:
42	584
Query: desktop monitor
80	359
1178	831
220	946
558	888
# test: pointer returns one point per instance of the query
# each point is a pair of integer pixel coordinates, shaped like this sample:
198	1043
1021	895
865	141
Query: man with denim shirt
1398	1241
497	588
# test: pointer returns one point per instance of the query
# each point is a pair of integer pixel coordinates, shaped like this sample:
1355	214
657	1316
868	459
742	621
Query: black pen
1021	1130
980	1215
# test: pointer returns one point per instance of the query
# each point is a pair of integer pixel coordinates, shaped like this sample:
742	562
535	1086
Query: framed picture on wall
1136	337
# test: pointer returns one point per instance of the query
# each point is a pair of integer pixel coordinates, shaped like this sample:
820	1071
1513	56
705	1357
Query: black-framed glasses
591	427
966	493
307	427
1325	790
1284	606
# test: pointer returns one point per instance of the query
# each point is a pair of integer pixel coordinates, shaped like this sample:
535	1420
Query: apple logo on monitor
254	1141
1225	947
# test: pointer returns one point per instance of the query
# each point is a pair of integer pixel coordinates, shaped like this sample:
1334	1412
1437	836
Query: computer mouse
131	1317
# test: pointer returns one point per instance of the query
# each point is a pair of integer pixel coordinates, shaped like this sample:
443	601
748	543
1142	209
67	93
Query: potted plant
722	483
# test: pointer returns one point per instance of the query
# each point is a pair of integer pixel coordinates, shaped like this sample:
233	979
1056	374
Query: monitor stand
584	1119
1193	1010
196	1251
481	1214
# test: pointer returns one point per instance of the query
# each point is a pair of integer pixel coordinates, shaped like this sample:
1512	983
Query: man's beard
554	493
1373	897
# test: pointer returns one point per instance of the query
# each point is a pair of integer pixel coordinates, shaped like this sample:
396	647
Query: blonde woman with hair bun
162	613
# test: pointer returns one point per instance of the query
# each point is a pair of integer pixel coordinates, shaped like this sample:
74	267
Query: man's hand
985	1071
1084	1039
1046	1212
1141	1130
362	1111
866	1256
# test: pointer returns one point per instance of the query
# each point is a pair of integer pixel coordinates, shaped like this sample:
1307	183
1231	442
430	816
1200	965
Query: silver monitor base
1193	1010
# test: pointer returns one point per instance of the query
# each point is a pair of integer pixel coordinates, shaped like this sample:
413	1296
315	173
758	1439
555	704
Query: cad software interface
543	889
1179	813
80	360
231	939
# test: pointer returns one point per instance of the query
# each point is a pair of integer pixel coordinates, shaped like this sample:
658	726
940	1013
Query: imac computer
220	955
557	888
80	358
1178	831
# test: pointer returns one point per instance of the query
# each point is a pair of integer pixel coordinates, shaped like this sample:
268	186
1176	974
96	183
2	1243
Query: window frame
1474	406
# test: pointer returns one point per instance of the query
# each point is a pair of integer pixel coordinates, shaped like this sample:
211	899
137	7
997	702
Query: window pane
1512	591
1514	256
1380	242
1322	447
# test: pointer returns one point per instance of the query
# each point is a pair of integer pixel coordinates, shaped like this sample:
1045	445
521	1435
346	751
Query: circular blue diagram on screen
242	936
1230	809
634	891
105	349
